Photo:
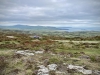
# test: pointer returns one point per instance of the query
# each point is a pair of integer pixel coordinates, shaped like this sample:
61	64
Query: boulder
79	69
52	67
43	70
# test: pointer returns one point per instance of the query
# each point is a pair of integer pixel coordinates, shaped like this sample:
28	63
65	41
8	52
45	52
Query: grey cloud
54	12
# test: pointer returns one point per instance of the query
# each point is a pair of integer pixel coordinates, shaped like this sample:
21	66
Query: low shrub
55	60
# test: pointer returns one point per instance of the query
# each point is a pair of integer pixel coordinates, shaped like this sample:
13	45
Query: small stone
24	53
29	54
52	67
60	73
53	54
39	52
64	63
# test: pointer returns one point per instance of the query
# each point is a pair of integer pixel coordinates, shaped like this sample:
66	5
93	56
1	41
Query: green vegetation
59	48
55	60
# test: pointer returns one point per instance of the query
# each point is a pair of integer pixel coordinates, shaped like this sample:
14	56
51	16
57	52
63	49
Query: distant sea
72	29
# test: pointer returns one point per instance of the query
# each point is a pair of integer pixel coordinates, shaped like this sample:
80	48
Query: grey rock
84	57
39	52
43	70
22	52
80	69
96	72
60	73
52	67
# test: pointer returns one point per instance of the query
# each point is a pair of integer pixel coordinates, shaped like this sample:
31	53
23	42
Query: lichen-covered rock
22	52
52	67
80	69
43	70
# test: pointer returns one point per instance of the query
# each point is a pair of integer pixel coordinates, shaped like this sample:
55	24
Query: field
21	54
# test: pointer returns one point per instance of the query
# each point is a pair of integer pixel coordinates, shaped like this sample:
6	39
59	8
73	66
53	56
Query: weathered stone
39	52
60	73
80	69
96	72
43	70
52	67
24	53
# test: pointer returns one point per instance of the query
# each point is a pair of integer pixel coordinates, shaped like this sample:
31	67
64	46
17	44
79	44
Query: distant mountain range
49	28
26	27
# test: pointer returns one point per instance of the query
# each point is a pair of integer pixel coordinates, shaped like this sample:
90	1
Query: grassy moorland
57	49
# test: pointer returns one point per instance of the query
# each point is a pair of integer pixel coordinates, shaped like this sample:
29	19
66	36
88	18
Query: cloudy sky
77	13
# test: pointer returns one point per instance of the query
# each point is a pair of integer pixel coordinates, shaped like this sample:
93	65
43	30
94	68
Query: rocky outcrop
45	70
79	69
27	52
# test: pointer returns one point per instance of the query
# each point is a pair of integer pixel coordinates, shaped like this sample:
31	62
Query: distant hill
49	28
26	27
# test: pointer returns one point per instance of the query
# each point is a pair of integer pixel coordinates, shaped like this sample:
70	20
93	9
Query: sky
74	13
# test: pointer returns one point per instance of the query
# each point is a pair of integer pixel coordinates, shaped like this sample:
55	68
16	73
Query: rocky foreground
27	62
